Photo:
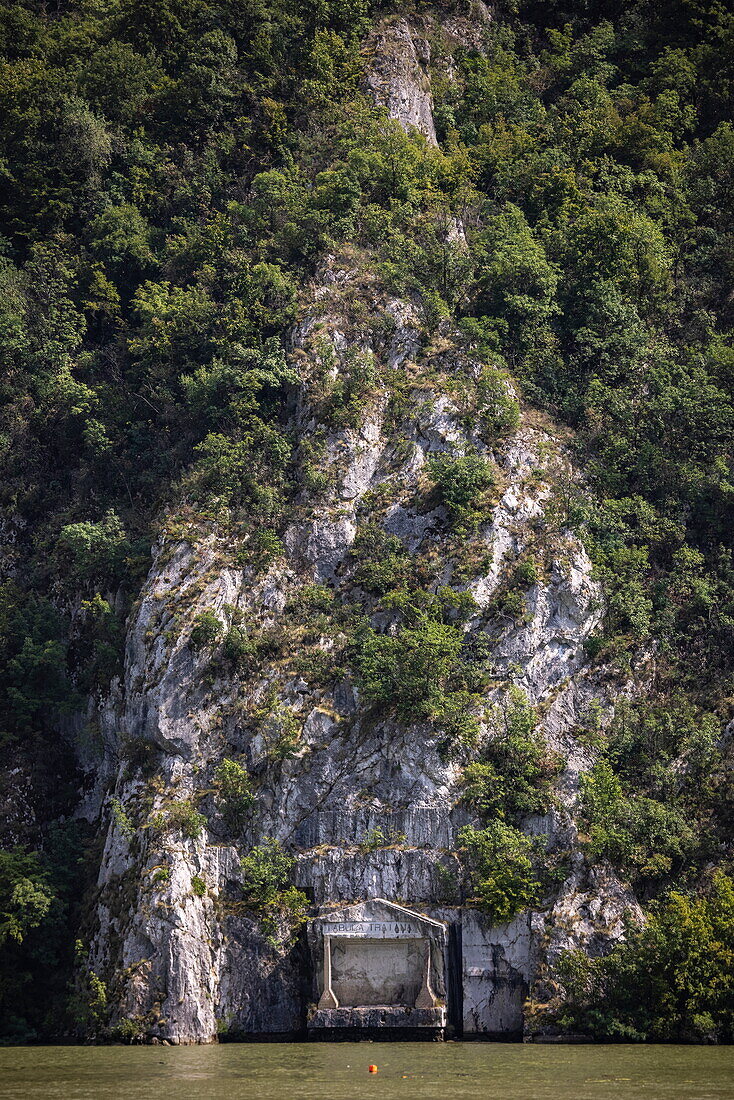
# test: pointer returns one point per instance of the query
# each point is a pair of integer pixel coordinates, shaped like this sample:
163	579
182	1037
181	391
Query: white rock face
181	954
398	75
369	807
497	967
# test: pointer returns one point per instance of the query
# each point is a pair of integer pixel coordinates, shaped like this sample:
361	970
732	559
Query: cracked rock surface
181	953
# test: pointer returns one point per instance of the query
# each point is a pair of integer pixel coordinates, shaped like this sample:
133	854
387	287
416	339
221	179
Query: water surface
338	1071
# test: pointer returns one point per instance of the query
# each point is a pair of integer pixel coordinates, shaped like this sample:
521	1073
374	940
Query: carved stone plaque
377	953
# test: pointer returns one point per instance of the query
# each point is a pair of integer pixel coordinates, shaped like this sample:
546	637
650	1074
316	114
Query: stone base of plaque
345	1022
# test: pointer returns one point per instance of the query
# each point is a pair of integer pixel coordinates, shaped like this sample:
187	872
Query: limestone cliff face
398	75
399	61
186	964
183	959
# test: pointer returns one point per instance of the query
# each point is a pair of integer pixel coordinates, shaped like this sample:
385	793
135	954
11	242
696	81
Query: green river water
339	1071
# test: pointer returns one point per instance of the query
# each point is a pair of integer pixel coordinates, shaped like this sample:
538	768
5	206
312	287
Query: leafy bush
514	776
248	464
383	563
664	749
510	603
237	646
184	817
266	547
314	479
378	838
454	714
207	630
516	284
428	669
640	835
128	1030
510	599
350	391
140	755
409	673
498	863
89	1003
314	597
122	819
234	794
97	644
525	574
93	550
265	873
281	729
671	980
462	484
499	410
33	663
25	894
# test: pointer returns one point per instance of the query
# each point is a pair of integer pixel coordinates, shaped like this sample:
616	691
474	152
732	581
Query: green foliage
172	175
40	901
510	599
122	820
89	1003
198	886
140	755
128	1030
425	669
409	673
656	802
664	749
234	794
516	285
281	729
87	551
97	643
236	645
314	597
499	410
378	838
34	664
25	894
122	240
266	870
349	392
498	863
462	484
184	817
670	981
525	574
641	835
383	563
514	775
206	630
227	469
264	548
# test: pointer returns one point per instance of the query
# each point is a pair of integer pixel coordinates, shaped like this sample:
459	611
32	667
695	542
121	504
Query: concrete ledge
377	1016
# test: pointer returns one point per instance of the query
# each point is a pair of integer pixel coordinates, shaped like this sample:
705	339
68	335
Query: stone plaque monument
378	965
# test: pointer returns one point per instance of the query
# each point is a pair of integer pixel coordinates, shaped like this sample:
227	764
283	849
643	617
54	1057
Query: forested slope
173	176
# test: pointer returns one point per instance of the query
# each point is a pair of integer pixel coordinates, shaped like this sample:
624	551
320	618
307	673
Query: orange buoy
373	1069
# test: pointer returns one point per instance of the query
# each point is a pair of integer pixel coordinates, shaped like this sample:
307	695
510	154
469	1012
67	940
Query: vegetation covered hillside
172	175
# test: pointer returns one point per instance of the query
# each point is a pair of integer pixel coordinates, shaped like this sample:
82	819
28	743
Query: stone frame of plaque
389	936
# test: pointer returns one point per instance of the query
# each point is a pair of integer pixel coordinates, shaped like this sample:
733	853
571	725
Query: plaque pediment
380	920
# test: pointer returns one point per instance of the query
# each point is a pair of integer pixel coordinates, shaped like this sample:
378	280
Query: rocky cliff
368	803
